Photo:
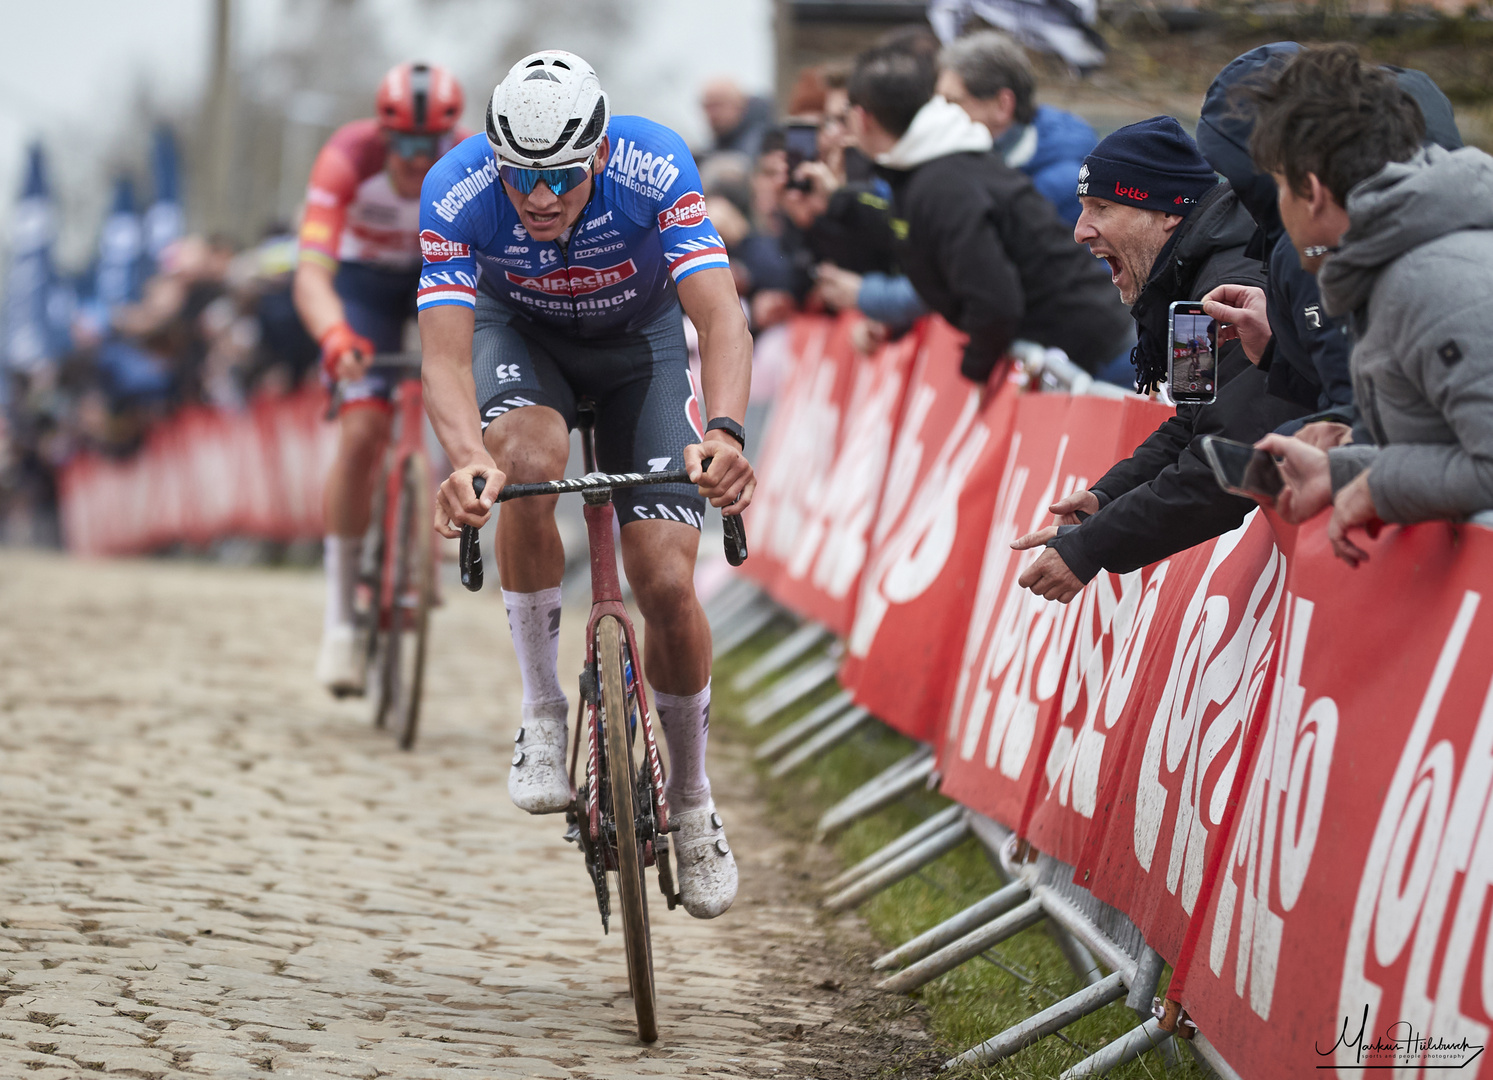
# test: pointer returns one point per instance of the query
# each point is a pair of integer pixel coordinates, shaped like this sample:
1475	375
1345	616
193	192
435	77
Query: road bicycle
617	814
396	573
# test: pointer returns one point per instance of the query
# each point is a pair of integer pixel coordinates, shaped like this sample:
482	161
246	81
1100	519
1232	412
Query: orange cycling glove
338	341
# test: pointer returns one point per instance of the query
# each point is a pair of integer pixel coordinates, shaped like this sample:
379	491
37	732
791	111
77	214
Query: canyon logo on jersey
576	280
436	248
688	210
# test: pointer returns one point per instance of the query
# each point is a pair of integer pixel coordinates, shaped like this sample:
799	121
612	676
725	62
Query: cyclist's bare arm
451	404
316	300
709	299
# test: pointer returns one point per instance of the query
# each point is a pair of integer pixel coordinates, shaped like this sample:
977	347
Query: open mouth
1115	269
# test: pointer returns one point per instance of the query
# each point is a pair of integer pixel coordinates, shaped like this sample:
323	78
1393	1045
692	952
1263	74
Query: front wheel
617	709
406	617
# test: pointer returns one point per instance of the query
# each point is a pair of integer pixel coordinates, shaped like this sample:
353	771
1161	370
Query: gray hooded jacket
1414	275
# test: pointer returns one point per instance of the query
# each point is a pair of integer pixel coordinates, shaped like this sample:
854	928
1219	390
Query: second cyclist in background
355	285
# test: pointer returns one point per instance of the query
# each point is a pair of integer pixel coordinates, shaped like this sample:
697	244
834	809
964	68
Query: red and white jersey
353	213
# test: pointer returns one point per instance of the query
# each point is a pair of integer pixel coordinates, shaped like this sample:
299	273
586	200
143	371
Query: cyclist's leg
526	409
643	425
374	304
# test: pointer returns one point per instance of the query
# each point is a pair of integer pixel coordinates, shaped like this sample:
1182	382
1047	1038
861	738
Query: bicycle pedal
573	832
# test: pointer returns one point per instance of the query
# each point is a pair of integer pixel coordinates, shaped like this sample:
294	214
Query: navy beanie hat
1153	164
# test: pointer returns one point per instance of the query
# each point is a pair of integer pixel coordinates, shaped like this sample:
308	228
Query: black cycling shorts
647	410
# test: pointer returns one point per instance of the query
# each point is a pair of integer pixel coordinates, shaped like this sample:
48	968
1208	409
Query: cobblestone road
208	868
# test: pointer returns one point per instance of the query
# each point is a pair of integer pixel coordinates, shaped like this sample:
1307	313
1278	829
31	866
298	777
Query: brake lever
470	558
736	543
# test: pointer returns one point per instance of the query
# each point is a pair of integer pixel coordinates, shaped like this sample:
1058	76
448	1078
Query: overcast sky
76	73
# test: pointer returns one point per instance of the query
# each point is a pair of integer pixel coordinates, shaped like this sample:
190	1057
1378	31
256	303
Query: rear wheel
622	783
401	649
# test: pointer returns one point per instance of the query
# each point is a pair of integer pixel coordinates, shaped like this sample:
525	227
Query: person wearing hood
988	75
1155	212
1303	350
979	243
1400	236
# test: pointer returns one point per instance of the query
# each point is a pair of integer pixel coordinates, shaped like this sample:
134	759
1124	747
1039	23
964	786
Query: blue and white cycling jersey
644	228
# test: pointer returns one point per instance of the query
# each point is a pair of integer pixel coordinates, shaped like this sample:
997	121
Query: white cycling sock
534	619
686	724
340	557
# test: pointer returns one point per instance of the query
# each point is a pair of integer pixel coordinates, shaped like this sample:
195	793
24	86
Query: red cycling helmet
421	99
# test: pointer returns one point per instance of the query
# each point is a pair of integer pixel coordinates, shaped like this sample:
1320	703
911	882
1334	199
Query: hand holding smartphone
1192	354
1243	470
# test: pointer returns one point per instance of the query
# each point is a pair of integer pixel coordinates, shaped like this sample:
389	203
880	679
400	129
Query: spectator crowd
1327	215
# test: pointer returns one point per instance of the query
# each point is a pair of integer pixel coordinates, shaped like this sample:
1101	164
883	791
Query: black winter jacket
1163	498
1307	359
985	250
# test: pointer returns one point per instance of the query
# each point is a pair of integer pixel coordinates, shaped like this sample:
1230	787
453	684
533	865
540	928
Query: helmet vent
594	126
540	74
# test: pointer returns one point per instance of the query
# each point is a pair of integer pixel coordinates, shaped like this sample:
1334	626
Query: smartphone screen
1240	468
1192	372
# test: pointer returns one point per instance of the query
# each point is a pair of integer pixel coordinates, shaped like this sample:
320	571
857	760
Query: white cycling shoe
340	664
538	781
706	867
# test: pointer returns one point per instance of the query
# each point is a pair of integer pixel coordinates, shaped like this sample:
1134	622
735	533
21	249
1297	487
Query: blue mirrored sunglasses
559	181
410	146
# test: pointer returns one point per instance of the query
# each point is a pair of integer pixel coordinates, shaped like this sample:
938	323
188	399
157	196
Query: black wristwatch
730	427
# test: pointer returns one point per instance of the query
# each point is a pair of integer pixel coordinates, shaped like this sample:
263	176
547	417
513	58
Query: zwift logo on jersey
464	191
436	248
576	280
688	210
642	171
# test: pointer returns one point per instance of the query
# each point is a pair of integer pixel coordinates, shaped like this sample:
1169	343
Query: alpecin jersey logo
688	210
436	248
575	280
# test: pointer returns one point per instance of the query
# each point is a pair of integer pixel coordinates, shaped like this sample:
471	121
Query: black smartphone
1240	468
1192	341
801	141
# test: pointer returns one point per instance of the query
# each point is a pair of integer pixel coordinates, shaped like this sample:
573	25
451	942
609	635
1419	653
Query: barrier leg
736	596
798	683
908	840
841	729
804	726
1053	1018
1074	951
971	918
1127	1047
1143	989
779	656
936	846
742	625
893	782
1210	1059
968	947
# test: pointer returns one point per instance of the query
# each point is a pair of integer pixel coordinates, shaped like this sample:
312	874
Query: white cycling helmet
548	110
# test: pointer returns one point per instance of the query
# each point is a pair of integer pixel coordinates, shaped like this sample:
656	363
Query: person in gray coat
1401	239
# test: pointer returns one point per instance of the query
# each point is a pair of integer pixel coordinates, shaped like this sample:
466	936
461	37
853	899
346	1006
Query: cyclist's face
546	215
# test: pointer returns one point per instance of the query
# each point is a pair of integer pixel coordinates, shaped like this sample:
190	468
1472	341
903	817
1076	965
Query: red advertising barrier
1278	767
918	582
1017	646
1353	906
798	449
202	475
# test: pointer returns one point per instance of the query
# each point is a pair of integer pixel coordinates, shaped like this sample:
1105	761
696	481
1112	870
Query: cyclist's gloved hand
345	353
730	482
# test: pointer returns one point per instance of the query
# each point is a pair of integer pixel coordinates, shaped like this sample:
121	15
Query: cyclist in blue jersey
559	249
